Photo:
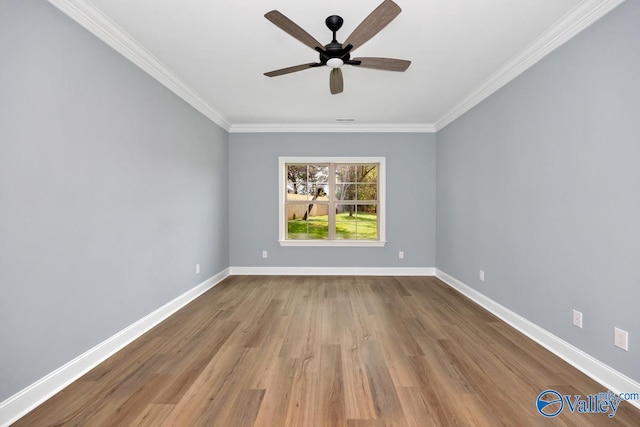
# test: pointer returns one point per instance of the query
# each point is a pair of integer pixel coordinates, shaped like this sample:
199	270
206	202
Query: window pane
306	211
319	227
345	173
318	173
356	222
307	221
367	192
367	173
346	222
296	179
297	229
313	229
345	191
367	219
306	179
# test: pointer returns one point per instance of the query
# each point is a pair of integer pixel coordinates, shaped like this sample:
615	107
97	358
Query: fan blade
388	64
291	28
335	81
288	70
373	24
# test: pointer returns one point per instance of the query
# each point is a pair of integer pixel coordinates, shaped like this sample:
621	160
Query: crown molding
97	23
579	18
331	127
92	19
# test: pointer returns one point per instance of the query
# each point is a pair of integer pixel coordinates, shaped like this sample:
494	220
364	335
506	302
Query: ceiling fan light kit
336	54
335	62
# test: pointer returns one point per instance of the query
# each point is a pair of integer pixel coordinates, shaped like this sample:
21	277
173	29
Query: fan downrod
334	23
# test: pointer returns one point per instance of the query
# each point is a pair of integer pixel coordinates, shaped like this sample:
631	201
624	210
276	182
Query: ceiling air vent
343	119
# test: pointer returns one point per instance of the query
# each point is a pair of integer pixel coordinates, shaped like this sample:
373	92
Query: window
332	201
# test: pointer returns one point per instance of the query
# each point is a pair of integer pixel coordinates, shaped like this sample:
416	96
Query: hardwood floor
326	351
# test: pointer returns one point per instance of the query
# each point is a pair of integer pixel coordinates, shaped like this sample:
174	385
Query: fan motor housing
335	50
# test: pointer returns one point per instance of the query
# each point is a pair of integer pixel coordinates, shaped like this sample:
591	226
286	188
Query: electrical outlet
197	268
401	254
577	318
265	254
481	275
621	338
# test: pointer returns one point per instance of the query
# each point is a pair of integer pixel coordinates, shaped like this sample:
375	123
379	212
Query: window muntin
332	201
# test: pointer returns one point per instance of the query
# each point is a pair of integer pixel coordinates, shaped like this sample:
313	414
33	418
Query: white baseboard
332	271
611	379
26	400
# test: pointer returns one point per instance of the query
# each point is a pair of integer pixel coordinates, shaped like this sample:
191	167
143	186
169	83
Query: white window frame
282	190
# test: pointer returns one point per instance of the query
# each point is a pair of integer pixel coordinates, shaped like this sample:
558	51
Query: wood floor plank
383	390
152	415
129	409
259	332
72	407
215	386
358	400
302	338
303	408
438	390
259	376
415	407
336	315
390	341
277	398
244	411
326	351
331	405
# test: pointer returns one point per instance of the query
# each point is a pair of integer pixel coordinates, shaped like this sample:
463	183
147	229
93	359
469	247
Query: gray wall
410	209
111	190
540	187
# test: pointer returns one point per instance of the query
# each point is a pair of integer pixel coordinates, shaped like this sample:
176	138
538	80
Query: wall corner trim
590	366
30	397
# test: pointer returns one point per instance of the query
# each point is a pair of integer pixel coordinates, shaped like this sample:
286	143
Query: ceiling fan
336	54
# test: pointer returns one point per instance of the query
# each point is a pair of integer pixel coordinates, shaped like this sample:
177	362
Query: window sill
334	243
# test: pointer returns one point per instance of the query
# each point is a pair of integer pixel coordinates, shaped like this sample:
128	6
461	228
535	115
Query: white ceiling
213	53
